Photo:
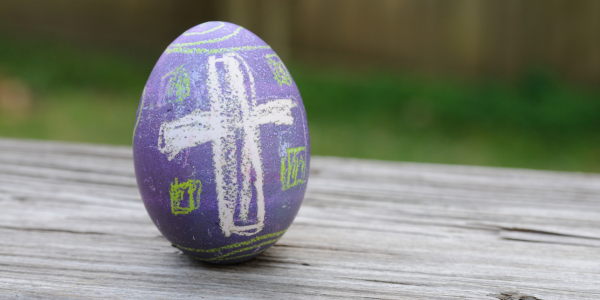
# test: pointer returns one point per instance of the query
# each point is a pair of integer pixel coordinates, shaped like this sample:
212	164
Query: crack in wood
549	237
52	230
391	282
517	229
513	295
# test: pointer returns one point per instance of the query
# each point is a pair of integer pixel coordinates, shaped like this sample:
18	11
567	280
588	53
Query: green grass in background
76	95
537	121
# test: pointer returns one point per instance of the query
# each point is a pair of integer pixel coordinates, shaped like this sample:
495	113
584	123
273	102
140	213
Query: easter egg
220	145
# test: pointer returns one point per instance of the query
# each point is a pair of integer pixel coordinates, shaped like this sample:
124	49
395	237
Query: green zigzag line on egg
236	257
225	256
223	38
214	51
245	255
221	24
236	245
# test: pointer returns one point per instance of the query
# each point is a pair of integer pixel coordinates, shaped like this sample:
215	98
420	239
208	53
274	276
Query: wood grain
72	226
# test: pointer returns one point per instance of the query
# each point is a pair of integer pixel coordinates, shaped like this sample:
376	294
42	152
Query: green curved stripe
213	51
137	121
209	41
245	255
224	256
207	31
236	257
232	246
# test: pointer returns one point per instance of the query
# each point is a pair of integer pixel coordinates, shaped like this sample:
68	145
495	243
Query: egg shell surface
220	145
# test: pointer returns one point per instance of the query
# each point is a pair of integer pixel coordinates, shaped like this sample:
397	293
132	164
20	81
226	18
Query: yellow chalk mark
292	166
280	72
225	256
214	51
221	24
208	41
177	193
232	246
137	121
245	255
179	83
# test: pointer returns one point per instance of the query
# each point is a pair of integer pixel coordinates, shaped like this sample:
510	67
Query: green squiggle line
137	121
241	250
256	239
208	41
245	255
236	257
207	31
213	51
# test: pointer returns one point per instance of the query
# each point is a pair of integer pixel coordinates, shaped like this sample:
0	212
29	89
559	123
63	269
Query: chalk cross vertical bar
232	111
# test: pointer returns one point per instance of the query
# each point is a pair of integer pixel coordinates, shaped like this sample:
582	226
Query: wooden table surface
72	225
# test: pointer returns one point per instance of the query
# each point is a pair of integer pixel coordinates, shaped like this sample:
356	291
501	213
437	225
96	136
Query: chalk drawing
236	245
293	168
232	255
233	111
214	51
137	120
211	41
179	83
279	70
239	256
178	193
226	256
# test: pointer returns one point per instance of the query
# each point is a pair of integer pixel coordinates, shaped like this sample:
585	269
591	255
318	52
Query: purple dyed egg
220	144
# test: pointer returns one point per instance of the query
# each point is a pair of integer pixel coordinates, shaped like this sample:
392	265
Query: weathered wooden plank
72	226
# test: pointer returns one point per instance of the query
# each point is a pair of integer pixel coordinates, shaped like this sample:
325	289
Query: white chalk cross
232	111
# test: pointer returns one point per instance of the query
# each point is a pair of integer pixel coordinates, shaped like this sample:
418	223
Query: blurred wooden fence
466	36
438	36
138	25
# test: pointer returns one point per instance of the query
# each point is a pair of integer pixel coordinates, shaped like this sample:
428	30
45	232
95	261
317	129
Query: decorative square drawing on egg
279	70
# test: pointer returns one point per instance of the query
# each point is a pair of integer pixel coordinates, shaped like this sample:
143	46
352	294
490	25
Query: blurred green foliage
51	66
535	121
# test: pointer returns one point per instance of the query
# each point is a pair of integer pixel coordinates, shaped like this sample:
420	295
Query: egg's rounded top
221	145
214	38
180	69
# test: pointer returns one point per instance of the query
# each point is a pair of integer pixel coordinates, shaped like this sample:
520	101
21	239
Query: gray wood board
72	225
